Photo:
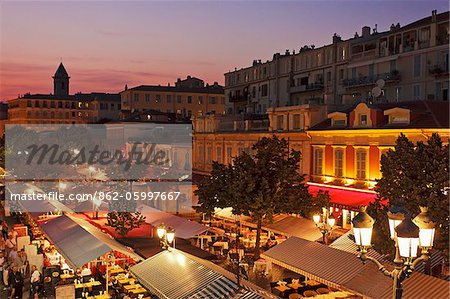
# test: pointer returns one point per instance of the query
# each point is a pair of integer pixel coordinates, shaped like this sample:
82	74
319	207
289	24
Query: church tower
61	82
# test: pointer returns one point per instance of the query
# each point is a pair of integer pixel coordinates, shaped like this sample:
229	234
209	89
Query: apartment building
347	146
288	79
188	97
341	151
61	107
221	138
400	64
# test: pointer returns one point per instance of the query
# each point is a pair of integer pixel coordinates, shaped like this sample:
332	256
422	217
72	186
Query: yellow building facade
189	97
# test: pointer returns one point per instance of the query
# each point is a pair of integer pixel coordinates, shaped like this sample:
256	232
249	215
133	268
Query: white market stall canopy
283	224
73	242
105	238
184	228
177	275
344	270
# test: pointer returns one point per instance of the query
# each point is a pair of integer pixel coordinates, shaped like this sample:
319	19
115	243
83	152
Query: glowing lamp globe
161	231
170	235
362	228
396	216
331	220
407	238
426	228
316	219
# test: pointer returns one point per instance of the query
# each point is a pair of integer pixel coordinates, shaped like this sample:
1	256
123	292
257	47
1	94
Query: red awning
344	198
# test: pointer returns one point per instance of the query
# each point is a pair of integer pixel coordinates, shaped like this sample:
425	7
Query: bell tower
61	82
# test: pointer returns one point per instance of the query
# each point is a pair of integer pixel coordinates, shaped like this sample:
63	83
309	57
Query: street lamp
427	229
408	238
396	215
325	224
166	236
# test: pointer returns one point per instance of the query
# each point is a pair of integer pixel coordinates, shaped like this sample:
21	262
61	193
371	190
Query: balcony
305	88
438	70
238	98
393	76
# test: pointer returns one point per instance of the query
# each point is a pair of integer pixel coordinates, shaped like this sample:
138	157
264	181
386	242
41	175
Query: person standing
34	281
4	230
16	282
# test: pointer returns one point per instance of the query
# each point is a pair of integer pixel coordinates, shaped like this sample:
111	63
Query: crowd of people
15	267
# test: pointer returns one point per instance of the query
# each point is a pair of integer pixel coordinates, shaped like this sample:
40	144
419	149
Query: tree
124	222
260	185
413	176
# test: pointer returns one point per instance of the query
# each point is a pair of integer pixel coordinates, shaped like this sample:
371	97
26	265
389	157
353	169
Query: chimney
336	38
189	76
365	31
433	15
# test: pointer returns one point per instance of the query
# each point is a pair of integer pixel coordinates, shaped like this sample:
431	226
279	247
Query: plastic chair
309	293
323	291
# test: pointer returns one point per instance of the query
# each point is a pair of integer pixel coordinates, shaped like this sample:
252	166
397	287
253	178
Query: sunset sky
105	45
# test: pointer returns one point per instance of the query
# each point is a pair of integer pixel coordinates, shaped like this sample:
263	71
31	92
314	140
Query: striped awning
74	243
343	270
176	275
185	229
346	243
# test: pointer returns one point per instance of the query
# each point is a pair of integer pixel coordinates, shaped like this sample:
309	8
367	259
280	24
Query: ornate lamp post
325	224
166	236
408	238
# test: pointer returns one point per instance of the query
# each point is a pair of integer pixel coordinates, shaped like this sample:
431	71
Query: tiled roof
207	89
424	114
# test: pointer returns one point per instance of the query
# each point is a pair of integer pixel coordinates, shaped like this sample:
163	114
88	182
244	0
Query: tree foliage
413	176
260	185
124	222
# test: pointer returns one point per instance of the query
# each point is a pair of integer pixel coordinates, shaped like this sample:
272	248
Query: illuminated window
363	119
80	104
361	157
339	162
318	161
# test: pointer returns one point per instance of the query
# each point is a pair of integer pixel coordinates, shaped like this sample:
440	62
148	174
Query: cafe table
89	284
222	244
312	283
138	290
65	276
125	281
294	286
103	296
115	270
282	289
